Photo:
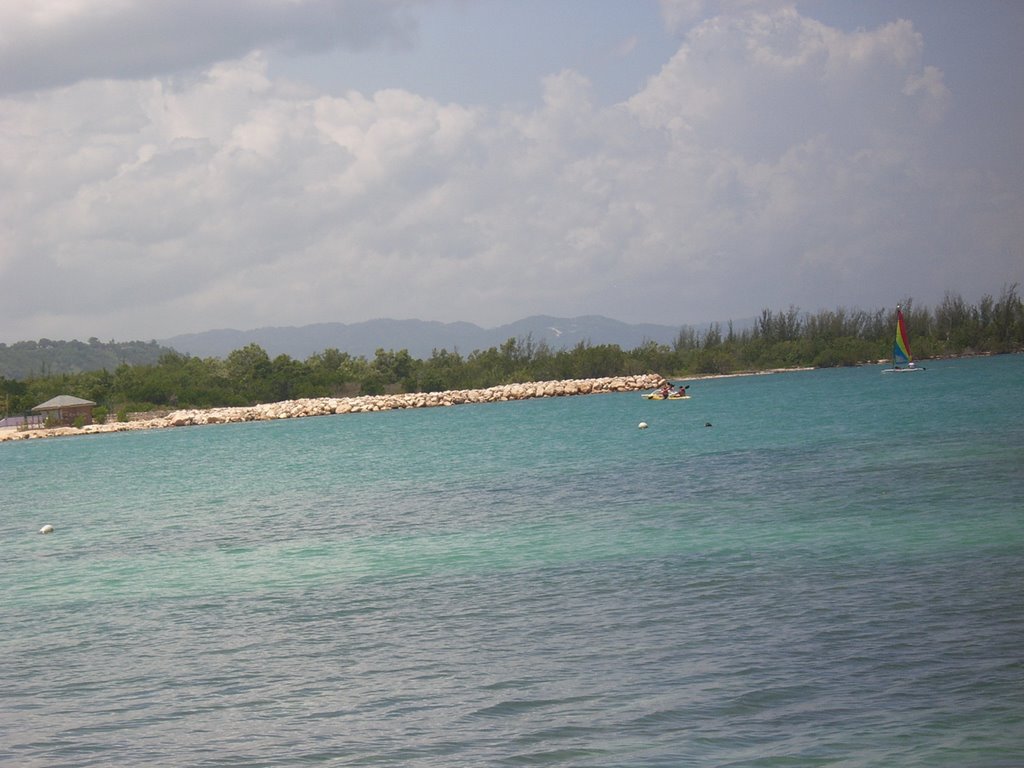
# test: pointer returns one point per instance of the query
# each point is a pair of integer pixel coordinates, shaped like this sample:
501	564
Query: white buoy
46	529
642	425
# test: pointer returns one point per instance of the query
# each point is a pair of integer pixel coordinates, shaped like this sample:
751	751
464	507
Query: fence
23	421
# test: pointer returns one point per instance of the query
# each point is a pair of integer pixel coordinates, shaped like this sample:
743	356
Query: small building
65	410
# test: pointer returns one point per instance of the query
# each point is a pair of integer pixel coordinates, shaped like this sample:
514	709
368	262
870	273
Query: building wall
67	416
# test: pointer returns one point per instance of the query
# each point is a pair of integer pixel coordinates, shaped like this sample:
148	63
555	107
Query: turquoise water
830	575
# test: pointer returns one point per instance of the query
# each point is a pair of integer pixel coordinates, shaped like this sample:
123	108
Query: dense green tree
286	378
15	396
394	367
250	369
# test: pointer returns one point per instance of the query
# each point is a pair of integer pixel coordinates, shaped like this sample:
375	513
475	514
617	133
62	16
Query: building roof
62	401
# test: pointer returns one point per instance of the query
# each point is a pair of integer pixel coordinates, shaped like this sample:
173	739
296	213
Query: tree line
777	339
39	359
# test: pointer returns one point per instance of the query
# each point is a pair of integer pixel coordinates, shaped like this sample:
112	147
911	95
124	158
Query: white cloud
761	83
773	160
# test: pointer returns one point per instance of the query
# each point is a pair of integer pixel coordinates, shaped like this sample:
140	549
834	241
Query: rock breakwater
328	406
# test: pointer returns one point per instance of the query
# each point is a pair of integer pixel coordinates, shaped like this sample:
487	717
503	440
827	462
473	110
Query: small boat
679	394
901	348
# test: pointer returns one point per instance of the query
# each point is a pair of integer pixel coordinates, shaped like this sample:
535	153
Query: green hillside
36	359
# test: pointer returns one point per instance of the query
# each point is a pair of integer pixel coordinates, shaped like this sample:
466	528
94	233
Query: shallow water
829	575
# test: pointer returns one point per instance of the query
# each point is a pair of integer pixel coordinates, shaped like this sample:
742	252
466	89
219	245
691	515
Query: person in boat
666	390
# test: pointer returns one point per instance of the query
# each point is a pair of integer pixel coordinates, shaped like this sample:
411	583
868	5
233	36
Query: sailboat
901	348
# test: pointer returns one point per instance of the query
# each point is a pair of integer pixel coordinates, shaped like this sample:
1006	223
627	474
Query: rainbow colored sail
901	347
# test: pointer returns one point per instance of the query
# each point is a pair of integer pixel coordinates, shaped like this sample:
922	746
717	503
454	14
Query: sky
176	166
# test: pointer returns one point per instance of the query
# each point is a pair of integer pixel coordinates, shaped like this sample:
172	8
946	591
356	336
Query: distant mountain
420	337
25	359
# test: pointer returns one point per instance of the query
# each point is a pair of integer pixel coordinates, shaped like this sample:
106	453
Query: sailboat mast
899	325
894	347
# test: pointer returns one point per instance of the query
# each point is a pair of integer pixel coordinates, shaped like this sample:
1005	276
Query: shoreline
336	406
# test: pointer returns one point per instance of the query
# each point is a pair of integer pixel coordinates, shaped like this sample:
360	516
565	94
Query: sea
809	568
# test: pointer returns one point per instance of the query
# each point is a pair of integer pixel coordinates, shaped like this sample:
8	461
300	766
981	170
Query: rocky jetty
327	406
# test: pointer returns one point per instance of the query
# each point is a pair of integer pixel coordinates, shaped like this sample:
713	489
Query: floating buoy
46	529
642	425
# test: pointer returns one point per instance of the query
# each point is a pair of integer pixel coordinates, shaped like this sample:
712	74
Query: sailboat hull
902	370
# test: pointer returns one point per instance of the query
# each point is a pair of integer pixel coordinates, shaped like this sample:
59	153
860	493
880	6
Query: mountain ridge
421	337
